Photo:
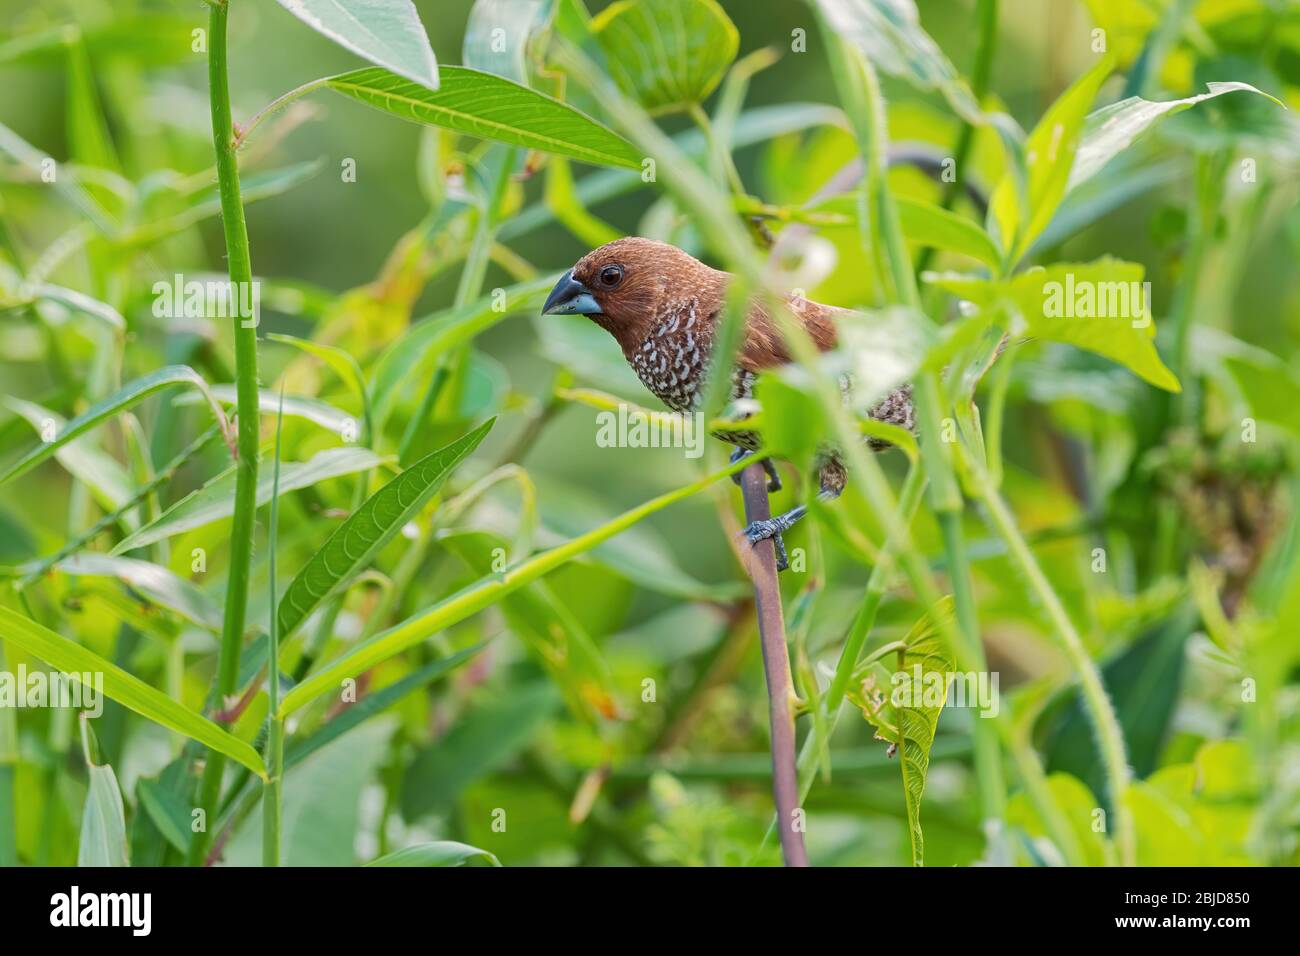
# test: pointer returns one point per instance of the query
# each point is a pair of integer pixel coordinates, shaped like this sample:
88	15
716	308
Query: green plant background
533	711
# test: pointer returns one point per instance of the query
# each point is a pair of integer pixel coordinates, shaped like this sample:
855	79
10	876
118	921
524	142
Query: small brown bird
663	307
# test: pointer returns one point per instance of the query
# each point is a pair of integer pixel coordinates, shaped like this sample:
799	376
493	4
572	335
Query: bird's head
628	284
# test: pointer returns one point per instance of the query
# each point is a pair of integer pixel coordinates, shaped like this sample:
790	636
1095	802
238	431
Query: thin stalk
8	766
271	790
776	667
986	15
245	332
1110	737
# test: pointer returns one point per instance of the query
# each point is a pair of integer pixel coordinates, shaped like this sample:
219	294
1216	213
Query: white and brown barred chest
673	359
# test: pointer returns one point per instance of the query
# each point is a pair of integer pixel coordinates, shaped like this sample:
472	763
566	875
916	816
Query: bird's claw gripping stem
769	466
773	528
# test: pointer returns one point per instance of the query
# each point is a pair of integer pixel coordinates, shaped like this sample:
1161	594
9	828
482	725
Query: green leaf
354	543
127	689
386	32
903	703
103	821
82	303
1050	153
1270	390
890	36
1112	129
89	141
666	54
927	224
344	365
84	460
491	107
216	499
129	395
1099	306
295	406
443	853
167	811
153	581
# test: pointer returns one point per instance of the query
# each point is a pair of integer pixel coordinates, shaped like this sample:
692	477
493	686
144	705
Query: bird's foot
773	528
769	466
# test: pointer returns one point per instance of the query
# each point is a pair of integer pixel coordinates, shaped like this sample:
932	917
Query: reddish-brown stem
776	666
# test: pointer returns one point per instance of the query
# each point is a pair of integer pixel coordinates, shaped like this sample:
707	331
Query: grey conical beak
570	297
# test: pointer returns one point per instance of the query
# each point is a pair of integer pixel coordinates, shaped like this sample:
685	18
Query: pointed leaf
103	820
123	687
386	32
216	499
491	107
129	395
354	543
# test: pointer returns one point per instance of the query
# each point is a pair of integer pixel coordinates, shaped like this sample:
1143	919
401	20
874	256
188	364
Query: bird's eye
611	276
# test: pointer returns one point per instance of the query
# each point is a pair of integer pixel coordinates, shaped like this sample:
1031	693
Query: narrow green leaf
1112	129
103	820
81	302
84	460
354	543
153	581
344	365
905	709
927	224
127	689
386	32
216	499
667	54
443	853
129	395
1049	153
167	811
491	107
313	410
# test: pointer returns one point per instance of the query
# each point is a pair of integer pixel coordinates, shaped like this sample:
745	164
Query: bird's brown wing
764	345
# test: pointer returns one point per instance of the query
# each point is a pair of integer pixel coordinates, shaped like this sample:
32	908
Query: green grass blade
215	500
103	819
129	395
123	687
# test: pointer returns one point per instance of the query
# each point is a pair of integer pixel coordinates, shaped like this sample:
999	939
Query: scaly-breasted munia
663	307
